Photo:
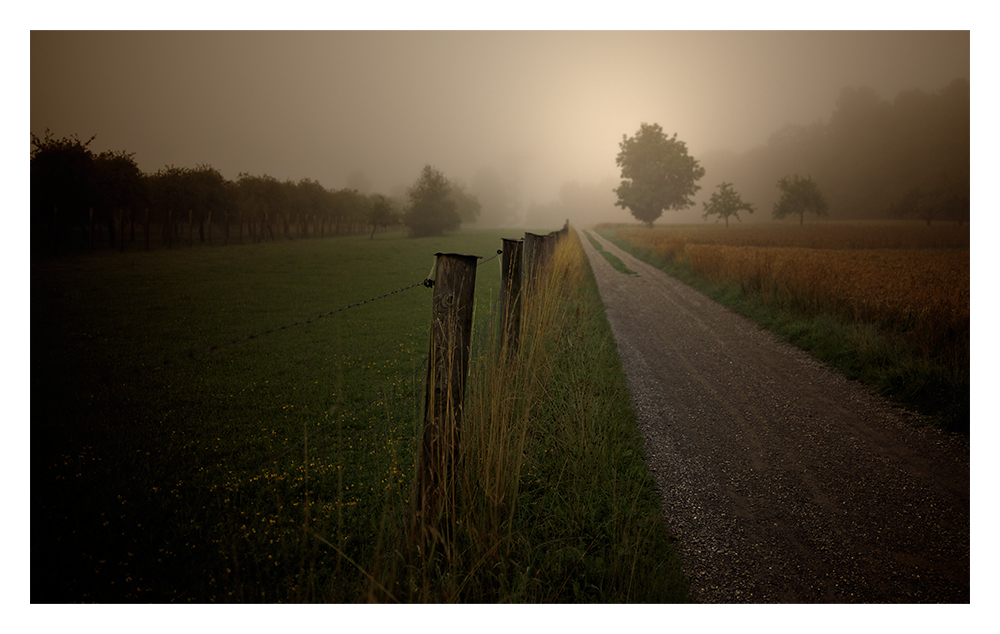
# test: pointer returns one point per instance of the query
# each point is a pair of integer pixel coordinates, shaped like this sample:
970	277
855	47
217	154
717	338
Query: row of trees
907	158
659	174
75	193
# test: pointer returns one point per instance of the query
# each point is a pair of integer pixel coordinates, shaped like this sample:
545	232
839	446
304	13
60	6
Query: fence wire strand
202	351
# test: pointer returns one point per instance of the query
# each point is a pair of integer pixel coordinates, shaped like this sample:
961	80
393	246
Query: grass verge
612	259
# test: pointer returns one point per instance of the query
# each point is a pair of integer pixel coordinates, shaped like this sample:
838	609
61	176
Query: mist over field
528	122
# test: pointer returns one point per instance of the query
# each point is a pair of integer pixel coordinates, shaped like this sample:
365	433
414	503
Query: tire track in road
783	481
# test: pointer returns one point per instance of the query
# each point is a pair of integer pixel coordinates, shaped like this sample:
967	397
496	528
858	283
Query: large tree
798	196
657	174
432	210
725	203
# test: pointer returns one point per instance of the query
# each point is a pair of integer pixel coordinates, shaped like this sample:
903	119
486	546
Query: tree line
79	198
908	158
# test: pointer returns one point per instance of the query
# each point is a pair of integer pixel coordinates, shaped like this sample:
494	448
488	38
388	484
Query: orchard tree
798	196
118	190
379	213
725	203
61	185
432	210
657	174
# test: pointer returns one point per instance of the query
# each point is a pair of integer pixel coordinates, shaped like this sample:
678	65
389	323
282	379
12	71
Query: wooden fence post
121	231
447	369
510	295
146	225
534	246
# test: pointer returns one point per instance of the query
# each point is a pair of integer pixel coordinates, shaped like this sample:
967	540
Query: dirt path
782	480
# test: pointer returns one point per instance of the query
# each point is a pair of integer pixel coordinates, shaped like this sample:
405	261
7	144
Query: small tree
657	174
432	210
798	196
725	203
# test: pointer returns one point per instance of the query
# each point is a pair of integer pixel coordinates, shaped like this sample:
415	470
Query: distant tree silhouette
943	199
432	210
657	174
725	203
61	187
379	213
799	196
118	190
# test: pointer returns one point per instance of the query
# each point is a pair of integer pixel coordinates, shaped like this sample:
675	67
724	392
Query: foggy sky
542	108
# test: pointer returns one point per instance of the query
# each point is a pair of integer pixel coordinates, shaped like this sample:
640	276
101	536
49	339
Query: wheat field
906	277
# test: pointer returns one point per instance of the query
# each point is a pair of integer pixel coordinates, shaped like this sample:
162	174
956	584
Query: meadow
237	423
886	302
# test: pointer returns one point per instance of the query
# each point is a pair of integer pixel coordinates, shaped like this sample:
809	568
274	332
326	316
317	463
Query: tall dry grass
463	551
552	501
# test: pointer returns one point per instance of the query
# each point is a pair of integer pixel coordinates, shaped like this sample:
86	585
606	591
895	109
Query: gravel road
782	480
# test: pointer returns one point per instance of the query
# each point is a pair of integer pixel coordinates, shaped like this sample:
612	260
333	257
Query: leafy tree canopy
798	196
725	203
432	210
657	173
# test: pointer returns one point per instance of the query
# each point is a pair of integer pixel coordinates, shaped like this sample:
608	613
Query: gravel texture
782	480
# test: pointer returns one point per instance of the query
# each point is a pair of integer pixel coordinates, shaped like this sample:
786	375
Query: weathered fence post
146	227
447	369
533	245
190	227
510	295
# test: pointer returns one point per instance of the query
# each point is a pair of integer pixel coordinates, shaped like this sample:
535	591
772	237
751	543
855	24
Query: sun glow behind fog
542	108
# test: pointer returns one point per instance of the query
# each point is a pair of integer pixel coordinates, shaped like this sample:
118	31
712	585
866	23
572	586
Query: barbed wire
499	251
202	351
426	282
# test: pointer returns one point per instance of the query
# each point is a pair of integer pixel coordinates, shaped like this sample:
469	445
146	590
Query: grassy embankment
886	303
279	468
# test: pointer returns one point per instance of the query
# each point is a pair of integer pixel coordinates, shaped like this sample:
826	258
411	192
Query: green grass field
179	453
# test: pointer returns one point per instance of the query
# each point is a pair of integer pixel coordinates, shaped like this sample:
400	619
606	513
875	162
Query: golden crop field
908	277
